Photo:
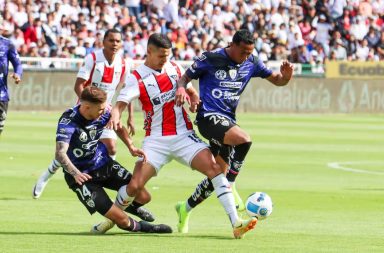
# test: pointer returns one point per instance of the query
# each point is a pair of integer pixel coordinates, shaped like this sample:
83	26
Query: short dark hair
159	40
112	30
93	95
243	35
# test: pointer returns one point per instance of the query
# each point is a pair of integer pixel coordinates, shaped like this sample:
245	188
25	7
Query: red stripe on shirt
88	82
169	115
177	68
147	106
108	74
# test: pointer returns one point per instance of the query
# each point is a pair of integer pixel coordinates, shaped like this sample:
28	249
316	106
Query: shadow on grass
194	236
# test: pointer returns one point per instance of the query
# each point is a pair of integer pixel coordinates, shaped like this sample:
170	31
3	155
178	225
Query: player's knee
112	150
134	188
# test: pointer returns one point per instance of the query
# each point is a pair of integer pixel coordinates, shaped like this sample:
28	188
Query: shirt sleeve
182	71
198	67
130	89
65	130
13	57
86	69
260	70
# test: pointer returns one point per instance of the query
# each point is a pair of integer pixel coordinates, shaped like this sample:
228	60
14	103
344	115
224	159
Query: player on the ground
169	133
88	168
8	54
223	75
105	68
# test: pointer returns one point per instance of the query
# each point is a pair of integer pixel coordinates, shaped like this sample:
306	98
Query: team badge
92	134
220	74
233	73
83	137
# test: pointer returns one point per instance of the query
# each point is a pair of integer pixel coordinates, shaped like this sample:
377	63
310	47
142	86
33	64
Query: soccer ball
259	205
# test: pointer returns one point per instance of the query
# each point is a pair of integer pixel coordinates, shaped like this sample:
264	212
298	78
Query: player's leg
95	199
191	150
204	162
42	181
3	114
109	137
120	176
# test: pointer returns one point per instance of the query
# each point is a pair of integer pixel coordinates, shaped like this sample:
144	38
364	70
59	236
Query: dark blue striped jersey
8	54
85	150
222	81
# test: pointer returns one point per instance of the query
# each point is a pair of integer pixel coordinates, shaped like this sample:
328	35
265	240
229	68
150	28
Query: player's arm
79	86
84	74
13	57
282	78
62	157
124	136
194	99
117	110
130	121
181	93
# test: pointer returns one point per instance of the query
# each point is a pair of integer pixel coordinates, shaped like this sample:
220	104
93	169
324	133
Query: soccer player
8	54
88	168
105	68
169	133
223	75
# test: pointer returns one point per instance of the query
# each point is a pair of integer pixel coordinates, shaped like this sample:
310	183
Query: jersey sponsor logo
234	85
62	130
216	93
64	121
83	137
164	97
233	73
220	74
92	127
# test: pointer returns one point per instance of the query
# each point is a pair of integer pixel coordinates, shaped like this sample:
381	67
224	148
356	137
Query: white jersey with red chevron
156	92
98	72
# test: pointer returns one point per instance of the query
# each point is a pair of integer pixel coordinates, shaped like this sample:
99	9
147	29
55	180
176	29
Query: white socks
122	198
54	166
224	194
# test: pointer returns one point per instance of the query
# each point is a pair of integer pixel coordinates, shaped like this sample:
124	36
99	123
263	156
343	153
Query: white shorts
108	134
161	150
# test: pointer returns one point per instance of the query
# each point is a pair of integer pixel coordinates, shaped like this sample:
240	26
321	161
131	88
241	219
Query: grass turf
316	208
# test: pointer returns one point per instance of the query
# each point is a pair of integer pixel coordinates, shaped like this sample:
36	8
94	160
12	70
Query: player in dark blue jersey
223	75
88	168
8	54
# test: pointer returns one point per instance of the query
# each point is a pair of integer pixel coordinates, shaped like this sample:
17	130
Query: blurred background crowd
302	31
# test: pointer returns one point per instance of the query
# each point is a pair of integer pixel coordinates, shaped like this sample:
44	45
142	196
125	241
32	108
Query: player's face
112	43
158	56
241	51
94	111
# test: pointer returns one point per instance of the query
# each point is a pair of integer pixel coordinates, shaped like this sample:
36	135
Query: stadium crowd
302	31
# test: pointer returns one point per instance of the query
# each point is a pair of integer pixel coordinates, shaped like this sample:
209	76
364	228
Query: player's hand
194	102
138	152
114	122
286	70
181	96
131	127
80	177
16	77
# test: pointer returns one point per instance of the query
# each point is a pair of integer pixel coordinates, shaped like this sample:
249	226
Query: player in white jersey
106	69
169	133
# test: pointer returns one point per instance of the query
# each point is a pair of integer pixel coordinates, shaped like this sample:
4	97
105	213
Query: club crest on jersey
233	73
83	137
92	134
220	74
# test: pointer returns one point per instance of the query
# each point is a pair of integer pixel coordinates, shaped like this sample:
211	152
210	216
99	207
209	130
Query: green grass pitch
325	174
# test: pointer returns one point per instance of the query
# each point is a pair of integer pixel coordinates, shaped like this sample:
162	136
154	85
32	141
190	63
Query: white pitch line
341	166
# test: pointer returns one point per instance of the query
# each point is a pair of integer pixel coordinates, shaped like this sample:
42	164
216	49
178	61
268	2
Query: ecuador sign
355	70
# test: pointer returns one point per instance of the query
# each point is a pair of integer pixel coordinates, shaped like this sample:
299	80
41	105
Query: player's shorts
213	128
92	194
108	134
3	113
161	150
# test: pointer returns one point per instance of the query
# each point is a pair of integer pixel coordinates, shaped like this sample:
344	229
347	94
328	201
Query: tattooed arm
62	157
